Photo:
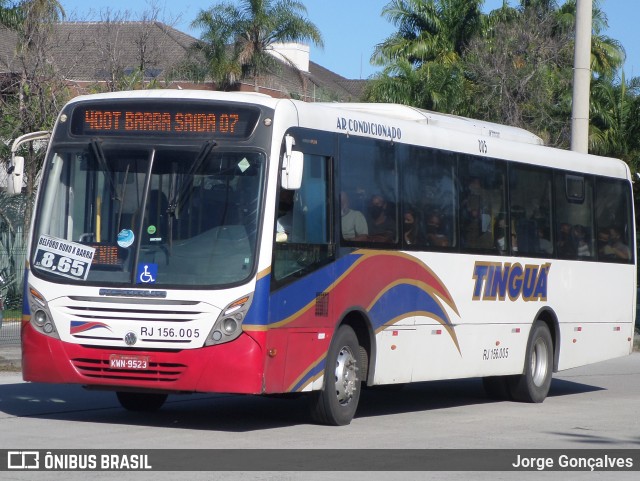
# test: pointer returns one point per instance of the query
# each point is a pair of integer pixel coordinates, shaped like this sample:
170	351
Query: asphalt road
594	407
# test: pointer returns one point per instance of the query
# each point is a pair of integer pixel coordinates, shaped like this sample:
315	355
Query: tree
428	31
607	54
422	60
131	52
8	15
615	120
31	98
522	76
214	45
35	92
433	86
512	66
40	89
236	40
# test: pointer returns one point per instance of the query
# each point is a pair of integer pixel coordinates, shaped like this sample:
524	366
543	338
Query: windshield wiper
96	148
174	199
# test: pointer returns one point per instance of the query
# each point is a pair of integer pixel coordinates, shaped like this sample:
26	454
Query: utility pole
581	78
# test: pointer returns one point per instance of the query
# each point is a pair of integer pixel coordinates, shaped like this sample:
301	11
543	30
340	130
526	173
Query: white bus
188	241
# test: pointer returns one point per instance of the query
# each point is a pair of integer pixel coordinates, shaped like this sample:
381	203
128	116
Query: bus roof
549	156
396	111
447	121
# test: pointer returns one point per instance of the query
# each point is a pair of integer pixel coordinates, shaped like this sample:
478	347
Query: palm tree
422	60
615	120
433	86
428	30
607	54
236	40
215	46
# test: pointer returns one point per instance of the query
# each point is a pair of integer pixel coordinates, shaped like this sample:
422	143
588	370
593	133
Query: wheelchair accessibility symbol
146	273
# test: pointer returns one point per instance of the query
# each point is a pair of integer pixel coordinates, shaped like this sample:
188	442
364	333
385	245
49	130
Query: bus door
301	276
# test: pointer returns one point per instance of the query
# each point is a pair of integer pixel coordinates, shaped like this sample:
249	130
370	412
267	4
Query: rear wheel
141	402
337	402
534	383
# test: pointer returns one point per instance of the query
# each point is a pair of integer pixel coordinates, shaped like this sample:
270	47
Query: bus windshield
113	213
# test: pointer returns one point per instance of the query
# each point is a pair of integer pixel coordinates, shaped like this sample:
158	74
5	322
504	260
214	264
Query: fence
11	278
10	327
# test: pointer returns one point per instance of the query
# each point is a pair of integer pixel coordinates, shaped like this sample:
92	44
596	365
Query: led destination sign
163	119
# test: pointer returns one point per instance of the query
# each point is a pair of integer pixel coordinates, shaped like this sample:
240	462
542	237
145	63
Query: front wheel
141	402
534	383
337	402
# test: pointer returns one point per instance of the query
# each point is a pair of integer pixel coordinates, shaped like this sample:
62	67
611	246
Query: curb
8	365
11	357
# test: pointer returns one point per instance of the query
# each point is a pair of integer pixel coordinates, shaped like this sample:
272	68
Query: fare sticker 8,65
63	258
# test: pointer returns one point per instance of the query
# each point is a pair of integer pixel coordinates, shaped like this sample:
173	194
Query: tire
337	402
497	387
141	402
534	383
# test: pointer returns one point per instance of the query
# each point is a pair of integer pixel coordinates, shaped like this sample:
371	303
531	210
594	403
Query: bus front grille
157	371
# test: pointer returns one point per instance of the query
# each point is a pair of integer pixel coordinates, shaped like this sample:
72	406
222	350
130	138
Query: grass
12	315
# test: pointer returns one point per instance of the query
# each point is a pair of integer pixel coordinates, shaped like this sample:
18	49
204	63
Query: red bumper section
236	367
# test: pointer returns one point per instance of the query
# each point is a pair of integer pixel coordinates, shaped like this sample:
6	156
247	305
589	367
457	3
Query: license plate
122	361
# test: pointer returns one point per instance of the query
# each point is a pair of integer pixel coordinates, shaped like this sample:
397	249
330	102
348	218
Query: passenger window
429	213
483	220
530	191
574	222
613	219
369	202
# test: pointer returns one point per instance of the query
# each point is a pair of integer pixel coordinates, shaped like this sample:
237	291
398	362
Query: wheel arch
358	320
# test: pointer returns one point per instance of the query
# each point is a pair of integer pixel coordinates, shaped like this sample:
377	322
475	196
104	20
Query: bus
189	241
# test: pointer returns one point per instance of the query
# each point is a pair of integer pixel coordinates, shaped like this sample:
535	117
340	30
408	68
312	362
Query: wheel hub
539	362
346	375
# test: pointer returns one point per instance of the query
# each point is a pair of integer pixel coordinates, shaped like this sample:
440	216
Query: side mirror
292	170
16	169
14	179
292	166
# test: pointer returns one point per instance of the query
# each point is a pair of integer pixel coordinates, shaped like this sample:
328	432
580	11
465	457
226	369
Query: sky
350	28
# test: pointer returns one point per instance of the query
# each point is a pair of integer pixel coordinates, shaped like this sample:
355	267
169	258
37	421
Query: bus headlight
228	326
41	318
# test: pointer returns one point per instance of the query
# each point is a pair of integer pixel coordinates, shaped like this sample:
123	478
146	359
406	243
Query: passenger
411	228
500	233
382	228
566	248
603	242
359	199
582	248
615	248
285	215
544	244
435	235
475	219
354	225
